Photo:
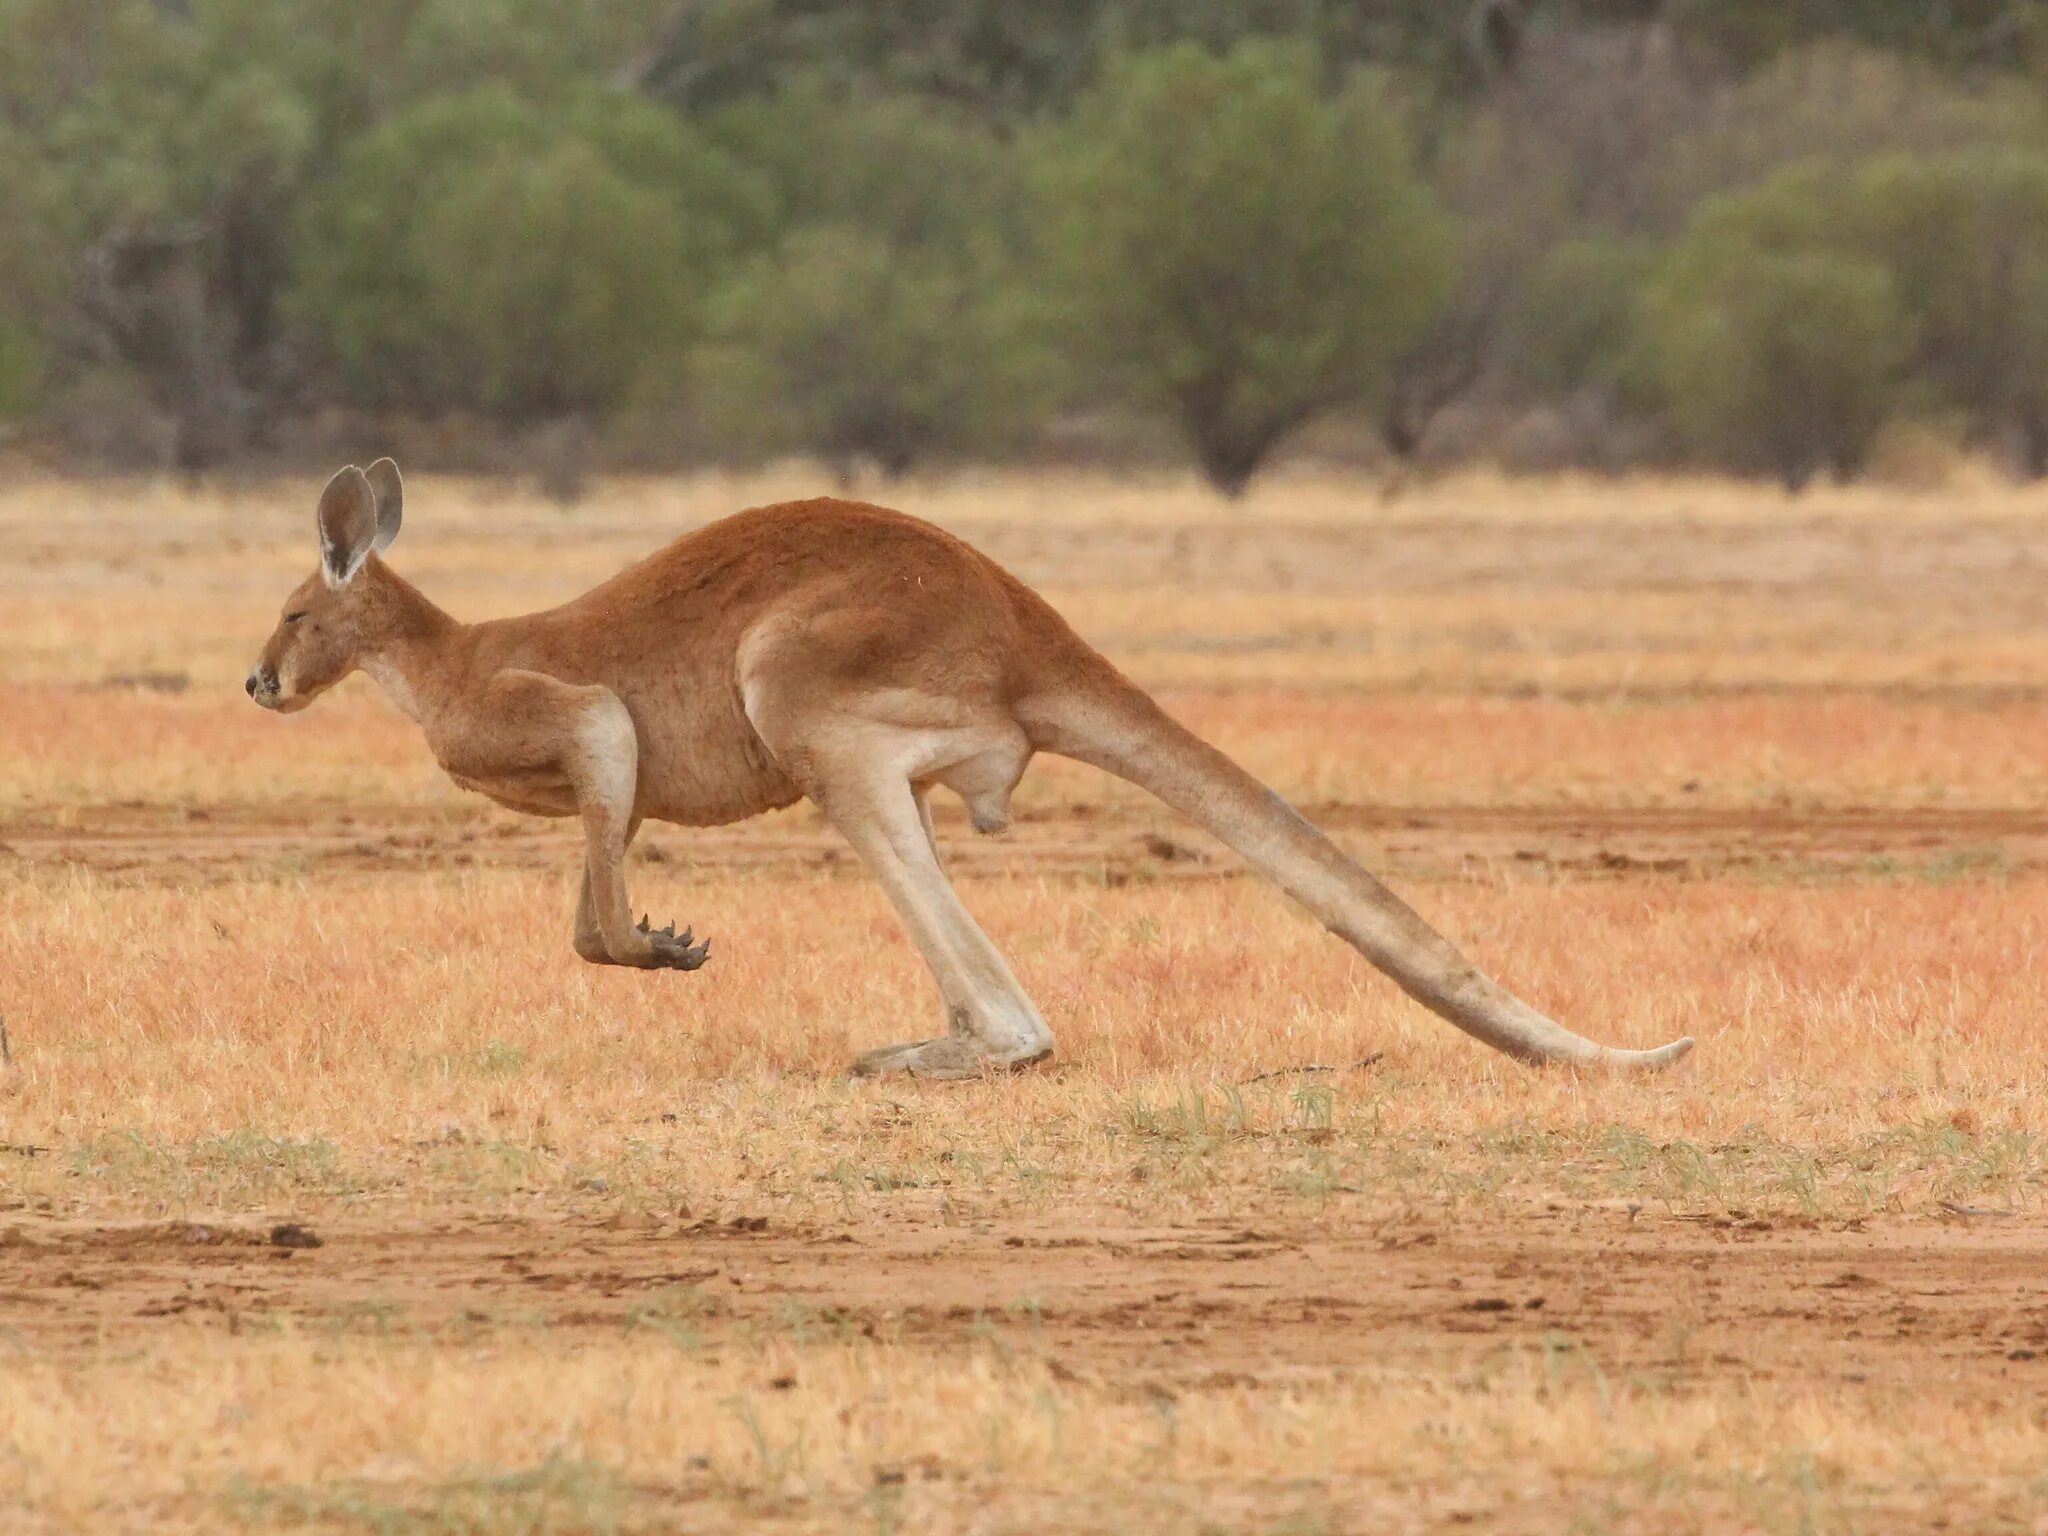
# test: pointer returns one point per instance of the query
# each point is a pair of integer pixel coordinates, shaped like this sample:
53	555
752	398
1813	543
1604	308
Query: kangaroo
849	654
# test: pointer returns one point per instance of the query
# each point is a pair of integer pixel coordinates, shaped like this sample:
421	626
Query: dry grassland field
337	1195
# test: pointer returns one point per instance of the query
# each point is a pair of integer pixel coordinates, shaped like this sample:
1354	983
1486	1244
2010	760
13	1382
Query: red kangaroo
842	652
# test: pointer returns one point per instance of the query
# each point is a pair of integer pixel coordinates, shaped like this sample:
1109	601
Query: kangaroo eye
293	618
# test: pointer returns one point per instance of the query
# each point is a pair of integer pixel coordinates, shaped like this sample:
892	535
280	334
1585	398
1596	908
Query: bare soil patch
155	844
1951	1306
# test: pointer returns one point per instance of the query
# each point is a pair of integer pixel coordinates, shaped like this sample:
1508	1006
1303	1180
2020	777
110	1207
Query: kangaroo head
343	611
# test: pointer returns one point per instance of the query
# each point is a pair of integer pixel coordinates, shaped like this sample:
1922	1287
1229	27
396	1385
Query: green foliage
164	130
21	369
1958	33
481	252
539	48
914	170
886	322
1842	104
31	256
1237	249
1012	62
811	223
557	1496
1573	328
1962	238
1773	360
842	344
167	159
1965	237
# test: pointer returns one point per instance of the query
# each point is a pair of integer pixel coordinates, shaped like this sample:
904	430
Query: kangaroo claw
677	952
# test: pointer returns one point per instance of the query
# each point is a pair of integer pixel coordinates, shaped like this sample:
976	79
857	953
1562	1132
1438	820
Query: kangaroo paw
948	1057
673	951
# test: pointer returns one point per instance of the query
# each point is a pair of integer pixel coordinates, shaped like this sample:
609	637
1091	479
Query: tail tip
1662	1056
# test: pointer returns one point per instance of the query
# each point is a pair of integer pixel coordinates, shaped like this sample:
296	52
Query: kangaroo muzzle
262	686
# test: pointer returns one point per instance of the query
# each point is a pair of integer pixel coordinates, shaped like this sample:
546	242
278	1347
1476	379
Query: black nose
251	685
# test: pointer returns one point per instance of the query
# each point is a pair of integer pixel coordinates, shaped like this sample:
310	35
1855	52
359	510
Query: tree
2005	34
542	49
1008	62
166	164
1234	248
1502	181
1962	237
482	252
886	322
1774	360
841	344
1573	327
21	368
31	265
1965	237
917	170
1836	104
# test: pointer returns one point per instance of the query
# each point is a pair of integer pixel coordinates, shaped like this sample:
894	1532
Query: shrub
21	370
480	252
886	321
1965	236
1572	329
1236	250
842	344
1771	360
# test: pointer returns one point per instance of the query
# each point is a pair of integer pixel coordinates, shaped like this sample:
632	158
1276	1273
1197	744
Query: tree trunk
1229	449
2034	446
1229	464
1794	471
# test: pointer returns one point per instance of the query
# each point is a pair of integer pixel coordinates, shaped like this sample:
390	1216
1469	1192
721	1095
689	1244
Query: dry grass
414	1040
1480	643
643	1433
343	1034
1609	590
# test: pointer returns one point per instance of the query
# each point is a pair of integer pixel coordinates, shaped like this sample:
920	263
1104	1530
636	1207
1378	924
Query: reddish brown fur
834	650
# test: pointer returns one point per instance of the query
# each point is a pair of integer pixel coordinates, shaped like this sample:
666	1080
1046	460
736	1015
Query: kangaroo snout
262	686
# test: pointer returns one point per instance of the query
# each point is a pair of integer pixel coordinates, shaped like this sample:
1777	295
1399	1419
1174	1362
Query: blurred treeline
1772	236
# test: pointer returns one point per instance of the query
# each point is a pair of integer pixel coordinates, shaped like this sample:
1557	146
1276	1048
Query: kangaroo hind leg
991	1024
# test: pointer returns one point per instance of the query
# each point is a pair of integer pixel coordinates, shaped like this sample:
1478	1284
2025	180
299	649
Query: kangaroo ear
347	521
390	488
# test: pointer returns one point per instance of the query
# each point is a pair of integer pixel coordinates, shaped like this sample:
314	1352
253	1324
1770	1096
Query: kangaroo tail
1110	724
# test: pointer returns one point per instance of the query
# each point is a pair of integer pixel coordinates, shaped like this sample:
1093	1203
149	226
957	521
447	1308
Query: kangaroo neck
415	661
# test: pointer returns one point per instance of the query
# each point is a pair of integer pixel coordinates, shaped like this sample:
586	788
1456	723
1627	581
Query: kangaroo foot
947	1058
673	951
